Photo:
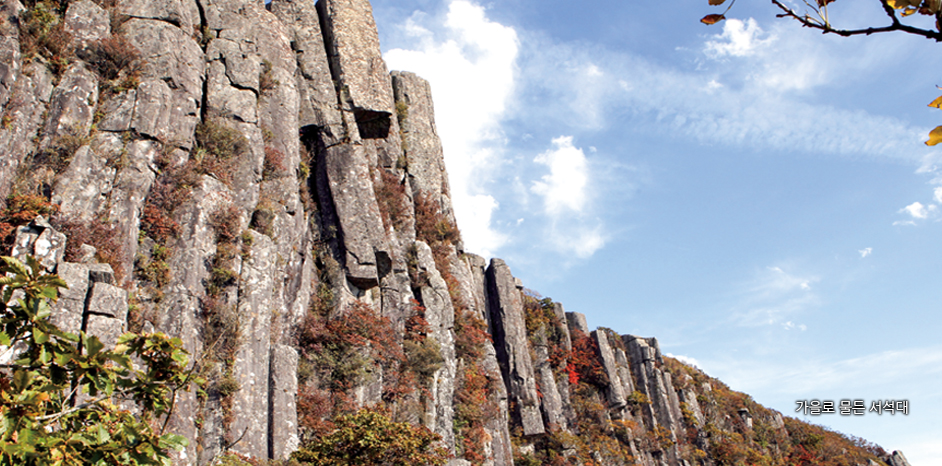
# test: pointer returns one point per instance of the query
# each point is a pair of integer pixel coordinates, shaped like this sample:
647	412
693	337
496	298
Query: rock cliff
251	178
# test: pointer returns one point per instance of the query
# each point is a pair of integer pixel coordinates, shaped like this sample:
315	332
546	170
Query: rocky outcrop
253	173
440	314
511	342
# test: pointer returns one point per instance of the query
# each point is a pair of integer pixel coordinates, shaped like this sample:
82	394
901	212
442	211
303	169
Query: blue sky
754	194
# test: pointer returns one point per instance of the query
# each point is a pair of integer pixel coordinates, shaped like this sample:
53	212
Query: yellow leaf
935	136
717	2
712	19
908	11
937	103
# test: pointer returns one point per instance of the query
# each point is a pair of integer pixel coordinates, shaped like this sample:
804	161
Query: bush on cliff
64	397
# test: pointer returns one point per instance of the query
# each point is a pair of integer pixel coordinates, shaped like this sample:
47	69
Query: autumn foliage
20	210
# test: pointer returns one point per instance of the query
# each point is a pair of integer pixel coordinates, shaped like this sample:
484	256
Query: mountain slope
251	178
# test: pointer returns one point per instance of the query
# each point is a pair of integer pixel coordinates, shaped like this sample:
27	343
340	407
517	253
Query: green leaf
177	442
94	345
39	336
4	338
16	266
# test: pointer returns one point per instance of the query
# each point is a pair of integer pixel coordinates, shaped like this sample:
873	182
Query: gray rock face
26	104
552	401
41	241
616	391
253	360
423	148
440	314
578	322
175	12
9	50
131	186
109	301
897	459
511	343
283	421
170	56
664	409
361	226
83	188
319	105
72	105
355	57
90	303
86	22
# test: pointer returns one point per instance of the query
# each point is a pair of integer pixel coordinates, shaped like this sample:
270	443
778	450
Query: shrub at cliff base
61	396
369	437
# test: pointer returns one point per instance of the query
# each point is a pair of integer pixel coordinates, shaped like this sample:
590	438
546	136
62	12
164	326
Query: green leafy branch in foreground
65	399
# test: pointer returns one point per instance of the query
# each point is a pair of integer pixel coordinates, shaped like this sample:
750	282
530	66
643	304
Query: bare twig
826	28
56	416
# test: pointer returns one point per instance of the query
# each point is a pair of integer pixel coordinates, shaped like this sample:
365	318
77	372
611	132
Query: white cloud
581	241
566	199
469	61
790	325
773	297
937	194
865	252
686	360
564	188
918	211
739	39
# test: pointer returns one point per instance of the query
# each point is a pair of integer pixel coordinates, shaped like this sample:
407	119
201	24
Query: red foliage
584	362
104	237
21	209
436	230
470	336
226	222
112	56
315	408
416	326
274	163
158	225
472	409
391	197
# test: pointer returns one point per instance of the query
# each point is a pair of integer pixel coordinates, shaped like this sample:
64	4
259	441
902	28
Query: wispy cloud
865	252
469	61
738	95
775	297
814	376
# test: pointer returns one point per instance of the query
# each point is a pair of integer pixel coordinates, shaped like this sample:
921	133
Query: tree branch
827	29
56	416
